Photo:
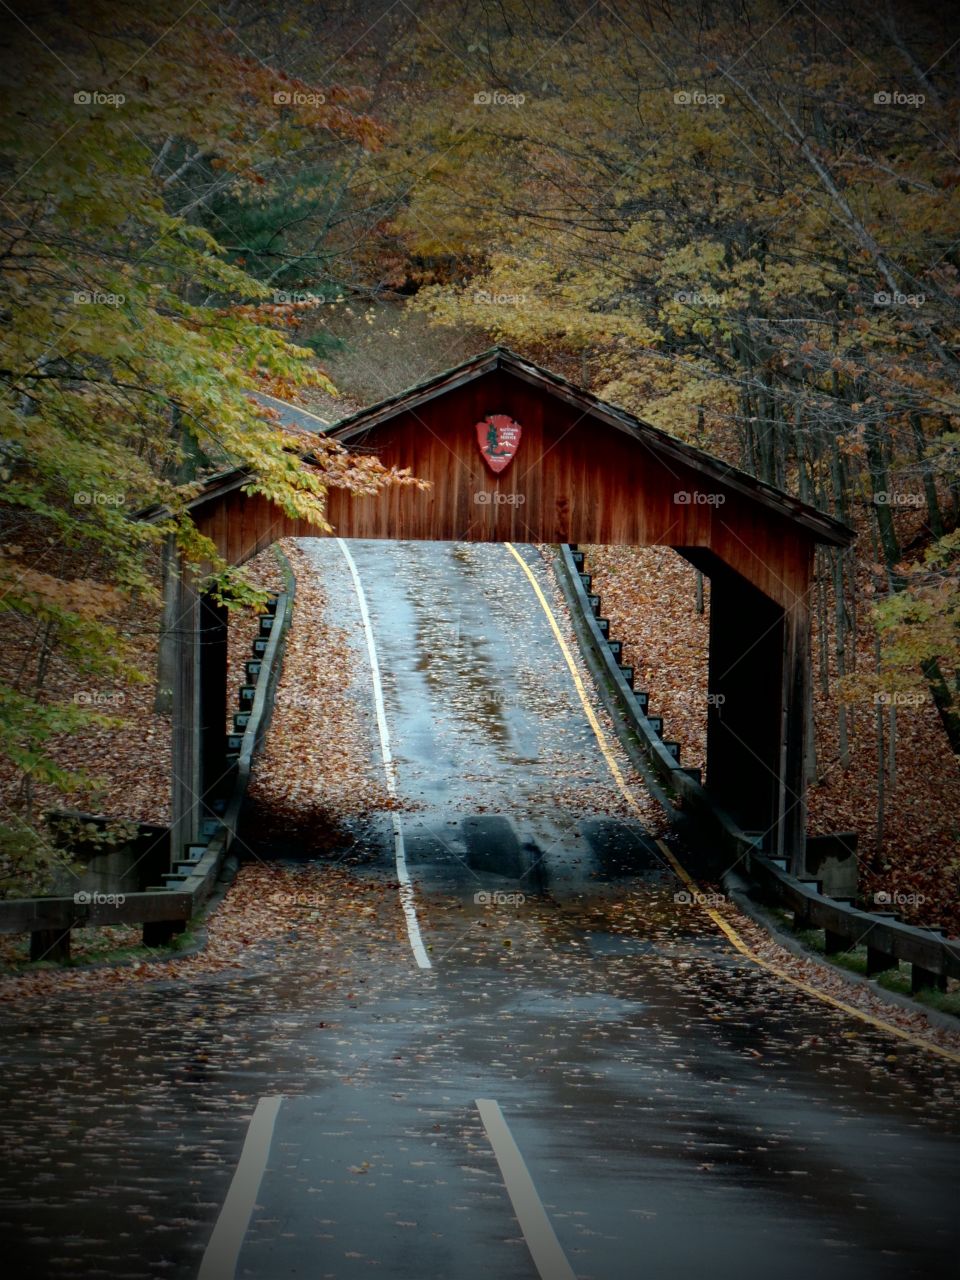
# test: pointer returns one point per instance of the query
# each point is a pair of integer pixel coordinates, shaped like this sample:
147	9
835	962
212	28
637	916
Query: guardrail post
879	961
834	943
50	944
157	933
922	979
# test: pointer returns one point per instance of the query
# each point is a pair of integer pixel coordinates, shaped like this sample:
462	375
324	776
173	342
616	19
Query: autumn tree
131	340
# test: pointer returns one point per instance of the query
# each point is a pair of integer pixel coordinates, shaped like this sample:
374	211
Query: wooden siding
575	478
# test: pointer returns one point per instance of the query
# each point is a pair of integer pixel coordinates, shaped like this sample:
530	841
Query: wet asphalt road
680	1111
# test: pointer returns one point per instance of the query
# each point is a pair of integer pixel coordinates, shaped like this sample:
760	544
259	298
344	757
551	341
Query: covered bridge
515	453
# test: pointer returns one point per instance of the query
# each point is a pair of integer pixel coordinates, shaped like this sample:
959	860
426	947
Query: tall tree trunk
929	484
880	493
943	701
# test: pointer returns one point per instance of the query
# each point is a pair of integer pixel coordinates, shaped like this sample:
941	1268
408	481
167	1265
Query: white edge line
407	900
298	408
223	1252
548	1257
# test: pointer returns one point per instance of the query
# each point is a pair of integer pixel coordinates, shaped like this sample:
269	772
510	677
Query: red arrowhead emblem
499	439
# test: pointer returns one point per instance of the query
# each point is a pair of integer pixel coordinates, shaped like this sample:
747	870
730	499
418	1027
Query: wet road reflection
680	1110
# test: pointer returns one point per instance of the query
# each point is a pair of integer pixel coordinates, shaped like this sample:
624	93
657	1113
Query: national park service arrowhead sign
499	439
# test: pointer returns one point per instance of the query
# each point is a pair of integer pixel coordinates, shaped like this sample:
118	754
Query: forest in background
737	220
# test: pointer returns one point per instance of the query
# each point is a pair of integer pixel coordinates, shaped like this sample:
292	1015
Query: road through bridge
542	1060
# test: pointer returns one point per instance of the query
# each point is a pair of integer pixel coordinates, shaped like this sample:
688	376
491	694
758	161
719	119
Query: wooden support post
791	840
213	697
167	646
744	712
50	944
187	750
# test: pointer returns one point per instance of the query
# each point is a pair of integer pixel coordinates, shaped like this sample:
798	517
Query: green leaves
131	341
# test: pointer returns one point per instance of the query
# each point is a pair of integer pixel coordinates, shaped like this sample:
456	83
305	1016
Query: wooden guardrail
933	958
164	912
888	941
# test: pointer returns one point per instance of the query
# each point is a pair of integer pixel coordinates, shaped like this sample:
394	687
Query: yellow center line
723	925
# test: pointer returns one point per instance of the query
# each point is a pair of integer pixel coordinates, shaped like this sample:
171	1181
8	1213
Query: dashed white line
407	900
223	1251
548	1257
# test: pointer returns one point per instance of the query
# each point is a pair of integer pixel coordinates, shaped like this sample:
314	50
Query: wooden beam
186	746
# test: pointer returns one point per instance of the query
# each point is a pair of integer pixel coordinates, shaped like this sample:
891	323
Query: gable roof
351	429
